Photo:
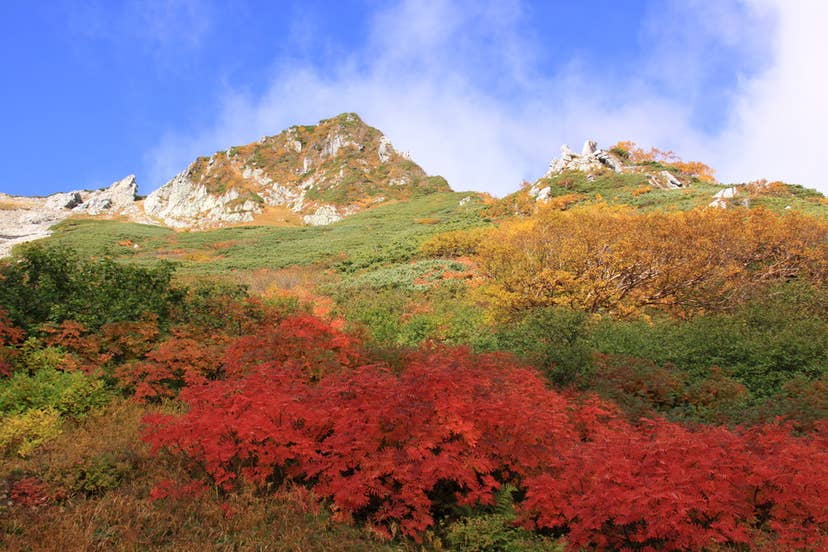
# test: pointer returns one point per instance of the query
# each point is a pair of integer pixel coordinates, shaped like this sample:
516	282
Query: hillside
385	234
306	175
649	180
314	174
624	354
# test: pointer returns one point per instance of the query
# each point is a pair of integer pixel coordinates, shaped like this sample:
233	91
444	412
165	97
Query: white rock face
30	218
334	143
65	200
726	193
182	203
591	160
327	214
385	150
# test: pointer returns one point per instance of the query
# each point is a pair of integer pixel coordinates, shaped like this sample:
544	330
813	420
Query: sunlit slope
388	233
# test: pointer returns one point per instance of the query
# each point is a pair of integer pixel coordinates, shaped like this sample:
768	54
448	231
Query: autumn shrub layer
398	449
613	260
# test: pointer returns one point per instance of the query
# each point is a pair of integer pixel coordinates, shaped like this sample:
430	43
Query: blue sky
481	92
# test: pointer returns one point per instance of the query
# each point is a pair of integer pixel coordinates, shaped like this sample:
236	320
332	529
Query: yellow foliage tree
603	259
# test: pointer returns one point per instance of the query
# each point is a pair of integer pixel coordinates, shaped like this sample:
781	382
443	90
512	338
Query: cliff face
313	174
25	219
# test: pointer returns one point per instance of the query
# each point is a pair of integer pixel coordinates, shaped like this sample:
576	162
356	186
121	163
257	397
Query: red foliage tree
9	336
379	445
303	342
663	487
174	363
394	447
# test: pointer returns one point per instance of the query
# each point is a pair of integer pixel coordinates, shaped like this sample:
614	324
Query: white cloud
779	127
455	84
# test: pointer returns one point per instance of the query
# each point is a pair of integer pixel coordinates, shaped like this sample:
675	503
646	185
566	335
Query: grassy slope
627	189
390	233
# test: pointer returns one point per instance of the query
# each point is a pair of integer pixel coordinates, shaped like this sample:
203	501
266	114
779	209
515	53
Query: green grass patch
387	234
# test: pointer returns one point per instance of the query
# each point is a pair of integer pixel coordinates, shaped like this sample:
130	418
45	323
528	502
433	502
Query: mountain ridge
319	174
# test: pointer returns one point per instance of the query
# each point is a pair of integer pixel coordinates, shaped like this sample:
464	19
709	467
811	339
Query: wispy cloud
160	27
457	85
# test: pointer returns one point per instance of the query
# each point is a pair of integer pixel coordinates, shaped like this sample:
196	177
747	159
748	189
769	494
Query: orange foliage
616	260
560	203
9	334
638	155
455	243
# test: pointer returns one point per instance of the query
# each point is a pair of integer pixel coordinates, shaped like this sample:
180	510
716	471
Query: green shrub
67	393
52	285
553	339
22	433
97	475
493	530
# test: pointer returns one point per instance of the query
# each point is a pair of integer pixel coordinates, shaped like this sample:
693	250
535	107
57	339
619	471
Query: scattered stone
726	193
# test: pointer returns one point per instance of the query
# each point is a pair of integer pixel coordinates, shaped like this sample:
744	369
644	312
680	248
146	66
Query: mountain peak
312	174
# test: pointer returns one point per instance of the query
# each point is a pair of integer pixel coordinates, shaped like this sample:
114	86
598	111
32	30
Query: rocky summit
307	174
313	175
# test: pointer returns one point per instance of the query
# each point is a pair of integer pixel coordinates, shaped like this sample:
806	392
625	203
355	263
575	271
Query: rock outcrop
594	162
24	219
317	173
590	160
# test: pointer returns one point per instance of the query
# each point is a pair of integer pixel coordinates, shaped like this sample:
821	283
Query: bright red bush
174	363
663	487
377	444
29	491
303	342
393	448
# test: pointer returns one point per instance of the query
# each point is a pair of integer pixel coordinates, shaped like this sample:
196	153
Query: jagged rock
385	150
31	218
64	200
116	197
591	160
326	214
182	203
96	206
